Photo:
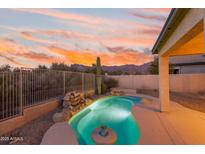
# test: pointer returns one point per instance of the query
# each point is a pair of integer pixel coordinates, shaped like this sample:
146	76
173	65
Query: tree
73	68
110	83
91	69
116	72
137	73
42	67
60	67
154	67
5	67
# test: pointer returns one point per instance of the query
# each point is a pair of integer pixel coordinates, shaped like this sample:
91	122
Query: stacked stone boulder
72	102
117	93
75	101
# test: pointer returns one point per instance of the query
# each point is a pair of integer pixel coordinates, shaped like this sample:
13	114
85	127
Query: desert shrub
202	93
103	88
110	83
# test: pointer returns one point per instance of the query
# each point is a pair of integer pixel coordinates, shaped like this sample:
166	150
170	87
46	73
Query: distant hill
80	67
125	69
130	69
144	69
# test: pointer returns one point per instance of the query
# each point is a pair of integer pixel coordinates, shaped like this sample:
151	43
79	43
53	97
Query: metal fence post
83	82
20	92
94	84
64	82
27	87
133	86
3	96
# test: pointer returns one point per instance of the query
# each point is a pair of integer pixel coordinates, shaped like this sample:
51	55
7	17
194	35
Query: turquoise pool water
112	111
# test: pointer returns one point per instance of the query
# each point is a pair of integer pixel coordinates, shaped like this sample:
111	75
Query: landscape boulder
62	116
72	102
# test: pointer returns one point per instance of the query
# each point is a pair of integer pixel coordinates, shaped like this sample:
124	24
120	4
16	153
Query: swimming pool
112	111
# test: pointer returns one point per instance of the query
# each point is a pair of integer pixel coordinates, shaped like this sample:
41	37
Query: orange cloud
158	10
10	46
11	51
120	57
127	56
74	57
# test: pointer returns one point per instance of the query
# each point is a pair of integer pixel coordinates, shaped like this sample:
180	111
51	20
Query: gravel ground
30	133
189	100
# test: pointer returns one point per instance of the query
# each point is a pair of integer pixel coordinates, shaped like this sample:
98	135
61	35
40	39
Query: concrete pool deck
179	126
59	134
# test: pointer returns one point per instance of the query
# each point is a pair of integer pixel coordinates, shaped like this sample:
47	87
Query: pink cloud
66	34
111	32
107	39
11	51
86	19
150	14
158	10
127	41
30	37
66	16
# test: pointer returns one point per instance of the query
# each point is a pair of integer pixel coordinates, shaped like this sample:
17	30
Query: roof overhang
173	20
189	64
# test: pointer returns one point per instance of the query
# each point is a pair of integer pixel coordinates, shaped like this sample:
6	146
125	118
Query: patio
179	126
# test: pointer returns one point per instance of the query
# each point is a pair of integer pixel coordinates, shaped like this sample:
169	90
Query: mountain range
125	69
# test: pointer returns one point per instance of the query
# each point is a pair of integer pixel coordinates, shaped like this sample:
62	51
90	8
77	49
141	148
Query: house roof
173	20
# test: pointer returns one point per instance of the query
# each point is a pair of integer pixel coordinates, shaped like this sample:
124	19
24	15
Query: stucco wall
193	83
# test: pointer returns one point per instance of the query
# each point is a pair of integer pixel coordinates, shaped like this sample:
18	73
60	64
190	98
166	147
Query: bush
103	88
110	83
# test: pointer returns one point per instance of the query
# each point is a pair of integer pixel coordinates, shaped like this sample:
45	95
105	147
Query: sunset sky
29	37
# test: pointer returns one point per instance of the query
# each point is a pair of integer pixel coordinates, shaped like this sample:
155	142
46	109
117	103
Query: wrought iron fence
21	88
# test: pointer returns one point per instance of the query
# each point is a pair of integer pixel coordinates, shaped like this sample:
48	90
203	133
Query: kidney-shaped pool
112	111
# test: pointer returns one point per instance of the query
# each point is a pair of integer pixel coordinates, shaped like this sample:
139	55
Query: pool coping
56	134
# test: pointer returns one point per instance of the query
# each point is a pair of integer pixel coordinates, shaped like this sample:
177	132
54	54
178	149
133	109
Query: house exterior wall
191	69
177	82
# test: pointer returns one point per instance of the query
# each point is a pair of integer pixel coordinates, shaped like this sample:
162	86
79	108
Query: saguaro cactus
98	75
